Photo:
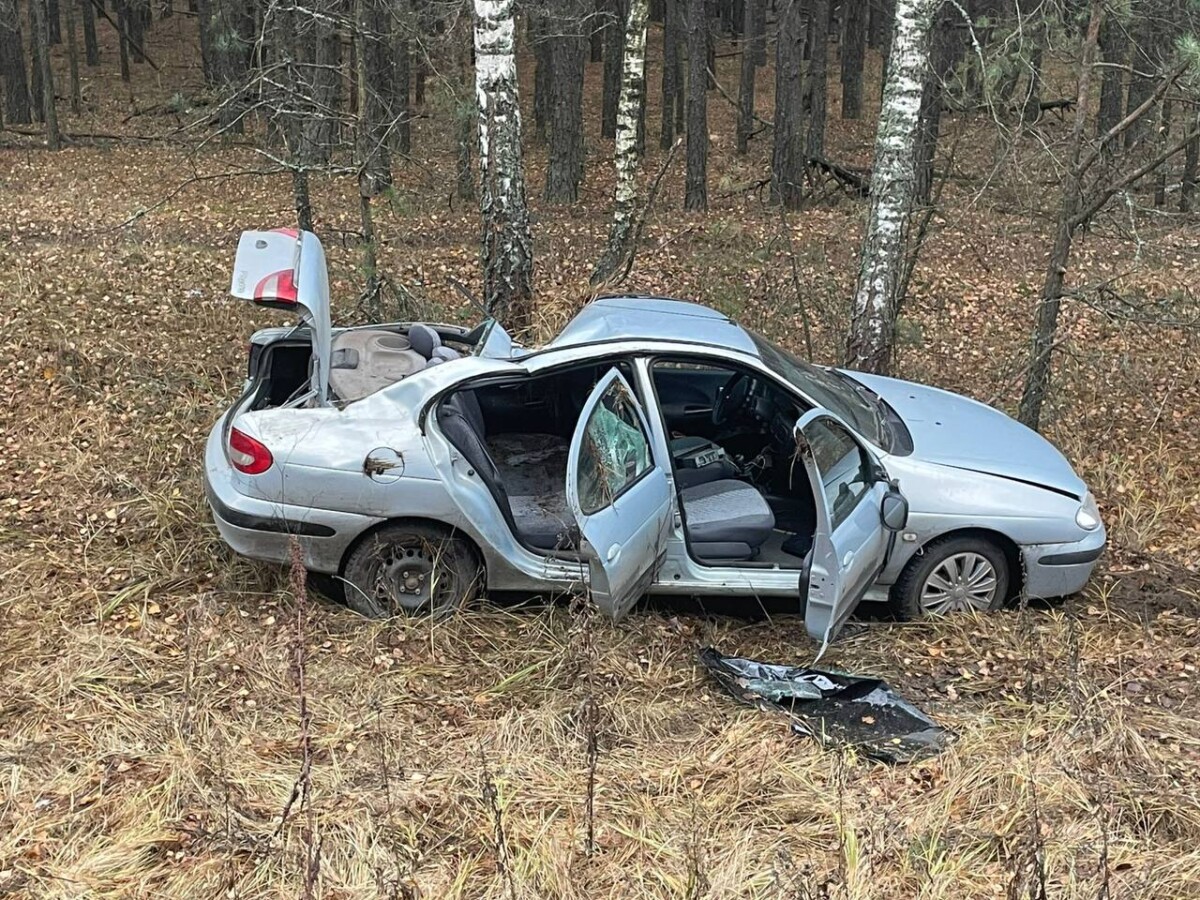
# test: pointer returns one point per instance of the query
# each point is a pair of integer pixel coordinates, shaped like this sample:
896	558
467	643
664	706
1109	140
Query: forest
993	197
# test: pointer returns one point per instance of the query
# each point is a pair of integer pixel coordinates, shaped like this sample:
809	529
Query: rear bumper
264	529
1057	570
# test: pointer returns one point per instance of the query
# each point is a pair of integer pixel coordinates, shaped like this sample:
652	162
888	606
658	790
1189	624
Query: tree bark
374	78
1115	46
400	112
670	73
567	53
614	43
36	45
1191	156
542	71
596	27
627	156
1037	381
1144	57
696	182
942	55
12	65
507	246
854	39
758	43
876	303
41	37
1031	106
53	22
787	160
745	119
73	58
91	49
818	82
121	7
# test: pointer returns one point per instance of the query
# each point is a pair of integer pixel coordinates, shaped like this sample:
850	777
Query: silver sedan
654	446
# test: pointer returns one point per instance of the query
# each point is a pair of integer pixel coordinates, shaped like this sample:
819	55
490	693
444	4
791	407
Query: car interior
745	500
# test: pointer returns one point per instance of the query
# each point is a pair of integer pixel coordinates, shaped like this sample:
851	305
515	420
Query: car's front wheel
954	574
411	569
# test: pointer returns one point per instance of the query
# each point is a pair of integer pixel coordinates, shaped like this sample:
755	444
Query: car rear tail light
247	454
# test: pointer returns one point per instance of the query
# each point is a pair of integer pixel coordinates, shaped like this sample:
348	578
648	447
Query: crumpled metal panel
837	710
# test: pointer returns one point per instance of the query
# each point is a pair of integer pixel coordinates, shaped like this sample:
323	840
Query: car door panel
619	495
850	542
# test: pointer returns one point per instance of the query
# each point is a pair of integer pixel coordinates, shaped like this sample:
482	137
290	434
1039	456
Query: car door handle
848	558
613	552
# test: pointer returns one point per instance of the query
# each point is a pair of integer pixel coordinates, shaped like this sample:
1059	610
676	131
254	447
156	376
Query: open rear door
851	542
620	498
285	269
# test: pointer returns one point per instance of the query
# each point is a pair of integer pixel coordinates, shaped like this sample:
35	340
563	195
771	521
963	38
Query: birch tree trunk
873	322
627	154
507	251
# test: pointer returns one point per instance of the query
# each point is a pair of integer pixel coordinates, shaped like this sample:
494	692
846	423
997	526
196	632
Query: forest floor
150	721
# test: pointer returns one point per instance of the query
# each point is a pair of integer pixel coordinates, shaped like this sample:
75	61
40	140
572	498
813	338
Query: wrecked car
653	446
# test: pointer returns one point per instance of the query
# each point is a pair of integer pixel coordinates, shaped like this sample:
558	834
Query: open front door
851	541
620	498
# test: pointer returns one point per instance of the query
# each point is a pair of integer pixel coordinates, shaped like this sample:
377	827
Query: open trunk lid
285	269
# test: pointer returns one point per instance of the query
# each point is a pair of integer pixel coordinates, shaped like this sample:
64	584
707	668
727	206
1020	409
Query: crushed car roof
633	317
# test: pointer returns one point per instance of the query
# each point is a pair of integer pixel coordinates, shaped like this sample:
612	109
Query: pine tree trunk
12	65
787	158
818	89
854	39
942	55
1144	59
596	26
1163	140
670	72
758	43
1115	46
135	23
374	77
73	58
1187	188
53	22
122	11
696	182
204	24
1037	380
41	37
36	84
91	49
1031	105
745	119
710	44
892	190
401	115
539	40
614	43
568	52
627	156
507	250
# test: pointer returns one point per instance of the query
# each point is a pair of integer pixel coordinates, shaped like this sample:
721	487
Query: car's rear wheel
955	574
411	569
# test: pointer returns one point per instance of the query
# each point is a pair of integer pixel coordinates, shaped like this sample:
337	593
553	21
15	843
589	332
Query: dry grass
150	725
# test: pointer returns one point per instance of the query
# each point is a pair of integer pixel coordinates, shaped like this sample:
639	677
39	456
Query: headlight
1088	516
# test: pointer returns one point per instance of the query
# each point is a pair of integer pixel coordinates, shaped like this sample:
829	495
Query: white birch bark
507	251
626	155
893	180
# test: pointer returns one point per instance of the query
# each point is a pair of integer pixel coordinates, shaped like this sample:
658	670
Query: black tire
916	594
411	569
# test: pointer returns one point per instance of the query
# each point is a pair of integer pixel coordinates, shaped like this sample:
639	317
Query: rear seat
525	472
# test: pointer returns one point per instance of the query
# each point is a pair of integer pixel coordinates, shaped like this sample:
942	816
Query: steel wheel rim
407	578
962	582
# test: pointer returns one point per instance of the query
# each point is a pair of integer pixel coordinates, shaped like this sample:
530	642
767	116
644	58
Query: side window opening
844	467
615	451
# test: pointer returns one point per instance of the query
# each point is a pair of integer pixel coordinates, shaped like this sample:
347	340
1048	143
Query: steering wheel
733	397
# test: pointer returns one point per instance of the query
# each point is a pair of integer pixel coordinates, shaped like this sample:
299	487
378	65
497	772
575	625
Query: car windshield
830	389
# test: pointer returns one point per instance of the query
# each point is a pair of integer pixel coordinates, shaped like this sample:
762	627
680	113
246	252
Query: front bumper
1057	570
264	529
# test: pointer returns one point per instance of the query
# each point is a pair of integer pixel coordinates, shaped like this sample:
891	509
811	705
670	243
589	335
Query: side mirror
894	510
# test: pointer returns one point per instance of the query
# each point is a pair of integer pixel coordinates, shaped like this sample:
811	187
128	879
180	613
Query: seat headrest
424	340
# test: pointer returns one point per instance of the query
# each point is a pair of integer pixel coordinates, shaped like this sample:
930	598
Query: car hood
952	430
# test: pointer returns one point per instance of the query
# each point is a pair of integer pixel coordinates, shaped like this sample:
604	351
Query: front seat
726	520
686	475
